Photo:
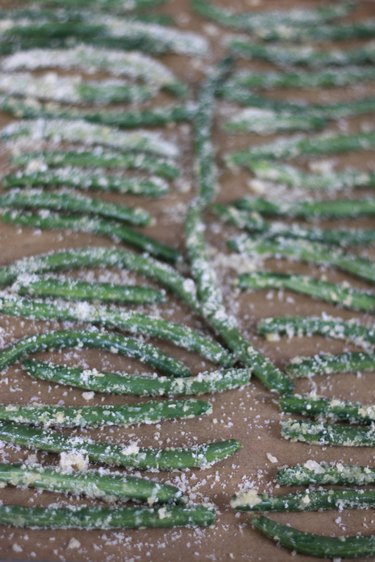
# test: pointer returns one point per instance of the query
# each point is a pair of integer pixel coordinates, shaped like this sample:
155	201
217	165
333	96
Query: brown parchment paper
250	415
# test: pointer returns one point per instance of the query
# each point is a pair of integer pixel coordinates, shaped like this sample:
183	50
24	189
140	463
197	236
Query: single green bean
337	328
313	472
86	180
106	518
130	456
328	364
319	433
138	385
97	158
308	500
335	293
319	407
91	483
99	416
315	545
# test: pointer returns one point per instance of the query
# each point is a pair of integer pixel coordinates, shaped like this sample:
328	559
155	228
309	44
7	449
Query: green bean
106	518
69	202
307	56
86	180
210	298
252	21
309	252
88	134
303	146
138	385
327	364
132	322
319	407
78	258
313	472
130	456
319	208
341	294
327	78
294	177
254	223
91	59
105	5
350	330
72	89
308	500
92	483
301	33
264	121
356	546
98	158
318	433
85	290
99	416
99	30
115	343
103	227
131	119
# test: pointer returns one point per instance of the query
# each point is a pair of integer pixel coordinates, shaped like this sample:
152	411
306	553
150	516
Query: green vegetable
71	203
327	364
315	545
313	472
318	208
254	223
106	518
89	134
92	256
98	158
286	148
91	483
103	227
99	416
309	252
336	293
267	121
308	500
115	343
294	177
350	330
319	407
133	322
86	180
138	385
326	78
130	456
319	433
307	56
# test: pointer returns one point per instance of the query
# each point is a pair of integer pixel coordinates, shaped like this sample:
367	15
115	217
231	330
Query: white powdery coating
60	130
92	59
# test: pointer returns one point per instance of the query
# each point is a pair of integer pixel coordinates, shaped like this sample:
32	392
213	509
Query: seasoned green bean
312	472
319	433
336	293
138	385
99	416
356	546
130	456
91	483
334	409
328	364
106	518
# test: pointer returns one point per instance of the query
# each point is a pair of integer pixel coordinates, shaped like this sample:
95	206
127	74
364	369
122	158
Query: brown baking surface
249	415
